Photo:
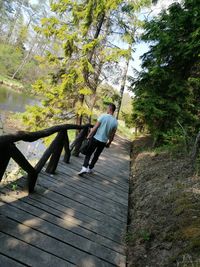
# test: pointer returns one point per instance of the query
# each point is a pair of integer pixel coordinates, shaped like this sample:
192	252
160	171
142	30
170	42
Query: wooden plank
29	255
101	180
68	203
85	192
105	170
106	229
8	262
100	205
50	245
62	234
67	222
97	179
77	183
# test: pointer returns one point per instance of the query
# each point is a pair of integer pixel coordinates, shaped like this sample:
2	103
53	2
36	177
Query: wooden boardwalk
69	220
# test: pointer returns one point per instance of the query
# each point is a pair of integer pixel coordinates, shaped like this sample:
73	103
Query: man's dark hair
112	106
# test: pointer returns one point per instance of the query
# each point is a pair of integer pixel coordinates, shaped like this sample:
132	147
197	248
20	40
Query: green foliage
167	88
145	235
124	131
82	31
106	94
127	117
10	57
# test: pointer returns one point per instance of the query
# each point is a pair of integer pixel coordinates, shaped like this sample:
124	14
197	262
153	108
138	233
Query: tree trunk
124	78
90	56
23	63
25	60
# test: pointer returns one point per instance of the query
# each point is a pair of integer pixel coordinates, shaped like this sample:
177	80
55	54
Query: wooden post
67	150
47	154
4	159
56	153
78	142
25	165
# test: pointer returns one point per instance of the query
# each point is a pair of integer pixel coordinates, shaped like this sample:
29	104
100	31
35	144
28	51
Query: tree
164	93
81	30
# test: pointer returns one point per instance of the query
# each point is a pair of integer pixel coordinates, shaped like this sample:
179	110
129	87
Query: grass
10	82
125	131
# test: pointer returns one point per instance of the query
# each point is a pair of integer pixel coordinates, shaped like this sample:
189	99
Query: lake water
16	102
13	101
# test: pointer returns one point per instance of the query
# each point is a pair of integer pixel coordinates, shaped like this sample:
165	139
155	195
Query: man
101	135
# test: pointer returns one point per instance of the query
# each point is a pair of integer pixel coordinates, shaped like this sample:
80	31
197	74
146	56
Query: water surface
13	101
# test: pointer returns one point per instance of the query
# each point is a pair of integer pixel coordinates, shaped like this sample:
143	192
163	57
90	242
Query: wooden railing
9	150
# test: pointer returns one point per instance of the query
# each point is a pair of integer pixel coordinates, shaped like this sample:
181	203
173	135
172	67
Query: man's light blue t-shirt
108	124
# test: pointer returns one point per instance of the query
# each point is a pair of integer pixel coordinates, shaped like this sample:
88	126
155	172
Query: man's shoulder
108	117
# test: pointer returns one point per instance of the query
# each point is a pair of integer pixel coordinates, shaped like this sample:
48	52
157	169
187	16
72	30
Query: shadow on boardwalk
69	220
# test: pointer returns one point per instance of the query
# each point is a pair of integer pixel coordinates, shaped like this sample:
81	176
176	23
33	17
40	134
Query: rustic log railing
9	150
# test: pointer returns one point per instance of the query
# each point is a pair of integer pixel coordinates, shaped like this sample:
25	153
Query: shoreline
17	86
9	124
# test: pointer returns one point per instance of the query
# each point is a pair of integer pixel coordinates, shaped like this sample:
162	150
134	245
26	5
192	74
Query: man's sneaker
83	171
90	170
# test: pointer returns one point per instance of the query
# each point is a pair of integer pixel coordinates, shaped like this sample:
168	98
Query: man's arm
93	130
111	137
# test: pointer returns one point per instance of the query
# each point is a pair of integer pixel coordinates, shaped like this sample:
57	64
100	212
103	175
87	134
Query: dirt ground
164	214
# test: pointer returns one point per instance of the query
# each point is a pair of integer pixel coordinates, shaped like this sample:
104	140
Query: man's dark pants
96	147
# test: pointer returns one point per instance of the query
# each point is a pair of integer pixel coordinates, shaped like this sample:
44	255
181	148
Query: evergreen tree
167	89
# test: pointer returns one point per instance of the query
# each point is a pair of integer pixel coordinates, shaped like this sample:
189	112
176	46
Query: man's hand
108	145
93	130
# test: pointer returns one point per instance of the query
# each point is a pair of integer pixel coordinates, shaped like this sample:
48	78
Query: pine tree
165	95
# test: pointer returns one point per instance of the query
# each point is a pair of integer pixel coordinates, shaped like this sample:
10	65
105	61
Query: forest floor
164	213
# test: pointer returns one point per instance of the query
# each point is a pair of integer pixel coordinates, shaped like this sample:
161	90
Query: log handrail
9	150
33	136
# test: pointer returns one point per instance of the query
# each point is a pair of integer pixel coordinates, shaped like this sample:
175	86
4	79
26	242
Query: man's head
111	108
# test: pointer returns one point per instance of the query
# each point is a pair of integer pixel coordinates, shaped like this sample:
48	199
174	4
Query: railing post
78	142
4	159
46	155
56	153
25	165
67	150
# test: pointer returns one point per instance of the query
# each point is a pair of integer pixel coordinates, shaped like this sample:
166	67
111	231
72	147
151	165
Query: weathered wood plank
62	234
50	245
111	209
77	208
29	255
99	180
62	220
8	262
88	187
